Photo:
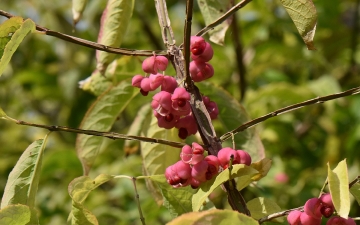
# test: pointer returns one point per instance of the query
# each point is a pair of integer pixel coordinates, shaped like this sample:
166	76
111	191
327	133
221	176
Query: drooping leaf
78	7
12	33
176	200
211	11
157	157
355	191
260	207
119	70
303	14
23	181
15	215
101	116
339	188
244	173
231	115
263	166
114	22
79	189
132	146
213	217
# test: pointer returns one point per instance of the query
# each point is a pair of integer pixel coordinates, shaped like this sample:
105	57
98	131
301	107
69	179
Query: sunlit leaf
78	7
211	11
15	215
241	171
263	166
231	115
176	200
355	191
79	189
132	146
114	22
23	181
303	14
339	188
12	33
214	217
157	157
101	116
260	207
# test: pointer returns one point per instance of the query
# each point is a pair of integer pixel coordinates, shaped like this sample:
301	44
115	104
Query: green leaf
157	157
2	114
132	146
231	115
211	11
114	22
79	189
355	191
12	33
78	7
339	188
213	217
303	14
177	200
261	207
263	166
101	116
23	181
15	215
240	170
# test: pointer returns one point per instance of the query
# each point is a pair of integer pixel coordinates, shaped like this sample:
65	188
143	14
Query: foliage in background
41	85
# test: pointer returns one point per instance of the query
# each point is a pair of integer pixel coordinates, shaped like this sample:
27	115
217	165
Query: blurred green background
41	86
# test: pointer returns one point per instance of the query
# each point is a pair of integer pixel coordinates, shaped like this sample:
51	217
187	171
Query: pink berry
213	110
186	154
182	169
154	63
197	45
199	170
168	121
161	63
281	177
327	211
244	157
213	168
156	80
194	183
336	220
169	84
183	133
224	157
180	101
205	56
161	103
200	71
294	217
145	84
306	219
326	200
188	123
312	207
136	80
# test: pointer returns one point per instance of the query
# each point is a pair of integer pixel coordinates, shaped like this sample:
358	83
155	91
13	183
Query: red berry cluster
314	209
171	105
194	168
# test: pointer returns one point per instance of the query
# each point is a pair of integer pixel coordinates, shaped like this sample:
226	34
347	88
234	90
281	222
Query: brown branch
223	17
90	44
111	135
356	180
278	214
317	100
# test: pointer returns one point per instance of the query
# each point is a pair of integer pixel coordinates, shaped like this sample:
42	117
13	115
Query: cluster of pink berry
314	209
171	105
194	168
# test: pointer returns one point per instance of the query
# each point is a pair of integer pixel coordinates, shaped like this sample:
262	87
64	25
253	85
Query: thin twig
90	44
111	135
317	100
223	17
137	198
187	34
278	214
356	180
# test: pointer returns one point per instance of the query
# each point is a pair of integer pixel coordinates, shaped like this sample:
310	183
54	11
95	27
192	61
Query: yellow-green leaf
211	11
263	166
12	33
339	188
114	22
244	173
78	7
261	207
82	216
303	14
15	215
2	114
214	217
101	116
355	191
